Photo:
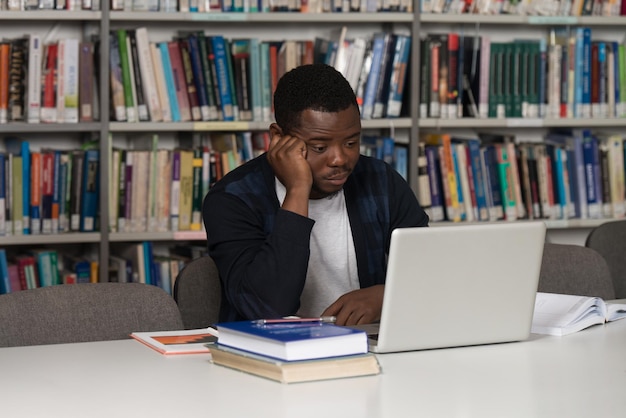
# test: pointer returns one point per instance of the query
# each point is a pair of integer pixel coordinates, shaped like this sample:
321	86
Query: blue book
616	75
371	87
198	76
398	77
169	81
56	190
292	339
559	169
148	262
578	73
491	164
478	176
434	178
90	187
401	160
586	74
223	76
593	204
266	82
5	286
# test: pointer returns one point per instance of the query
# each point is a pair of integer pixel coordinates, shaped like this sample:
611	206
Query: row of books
20	5
263	6
489	177
385	148
206	78
527	7
128	263
52	82
565	76
156	190
48	191
43	267
138	263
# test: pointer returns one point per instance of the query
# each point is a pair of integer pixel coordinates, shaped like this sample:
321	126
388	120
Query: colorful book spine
35	192
178	77
129	102
47	191
90	187
70	80
35	52
196	206
398	76
169	81
175	193
56	190
223	79
369	97
25	152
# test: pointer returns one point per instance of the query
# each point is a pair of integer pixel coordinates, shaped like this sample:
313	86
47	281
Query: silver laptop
459	285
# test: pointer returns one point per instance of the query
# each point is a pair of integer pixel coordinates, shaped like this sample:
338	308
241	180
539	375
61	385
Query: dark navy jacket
262	251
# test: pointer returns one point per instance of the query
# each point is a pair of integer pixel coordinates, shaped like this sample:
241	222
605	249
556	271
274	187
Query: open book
190	341
557	314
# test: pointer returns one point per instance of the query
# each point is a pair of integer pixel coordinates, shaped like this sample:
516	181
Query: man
305	228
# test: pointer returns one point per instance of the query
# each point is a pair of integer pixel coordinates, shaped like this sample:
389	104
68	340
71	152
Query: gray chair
575	270
84	312
609	239
197	291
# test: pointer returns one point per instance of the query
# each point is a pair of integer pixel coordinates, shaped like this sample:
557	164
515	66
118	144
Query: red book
178	72
48	88
47	191
35	192
4	82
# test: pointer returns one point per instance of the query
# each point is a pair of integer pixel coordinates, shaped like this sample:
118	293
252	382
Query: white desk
580	375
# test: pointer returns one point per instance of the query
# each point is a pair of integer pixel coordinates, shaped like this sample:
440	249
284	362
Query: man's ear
275	130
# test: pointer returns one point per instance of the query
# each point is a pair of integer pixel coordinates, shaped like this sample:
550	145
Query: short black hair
317	87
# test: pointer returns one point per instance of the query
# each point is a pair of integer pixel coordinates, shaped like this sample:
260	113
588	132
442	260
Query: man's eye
317	148
351	144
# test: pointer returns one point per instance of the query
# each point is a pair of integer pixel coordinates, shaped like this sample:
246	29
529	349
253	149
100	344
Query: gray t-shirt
332	269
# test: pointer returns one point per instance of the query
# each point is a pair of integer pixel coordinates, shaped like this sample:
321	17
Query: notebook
459	285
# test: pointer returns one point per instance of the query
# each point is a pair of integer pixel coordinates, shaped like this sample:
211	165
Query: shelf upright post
103	273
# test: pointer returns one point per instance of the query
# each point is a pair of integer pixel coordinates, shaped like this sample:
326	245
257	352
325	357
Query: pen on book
321	320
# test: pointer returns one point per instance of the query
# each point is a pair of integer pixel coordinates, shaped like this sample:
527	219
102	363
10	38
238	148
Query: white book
146	69
161	85
461	156
33	105
70	80
357	55
557	314
139	196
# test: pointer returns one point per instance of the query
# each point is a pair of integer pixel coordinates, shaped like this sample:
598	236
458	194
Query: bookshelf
163	27
510	28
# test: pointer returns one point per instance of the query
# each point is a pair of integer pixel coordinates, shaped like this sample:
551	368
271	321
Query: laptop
459	285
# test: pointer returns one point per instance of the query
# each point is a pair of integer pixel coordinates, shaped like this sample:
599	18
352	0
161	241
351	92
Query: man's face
333	141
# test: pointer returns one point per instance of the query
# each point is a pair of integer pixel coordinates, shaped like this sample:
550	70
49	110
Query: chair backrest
609	239
84	312
197	290
575	270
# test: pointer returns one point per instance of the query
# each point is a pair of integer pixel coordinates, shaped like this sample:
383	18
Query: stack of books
291	351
